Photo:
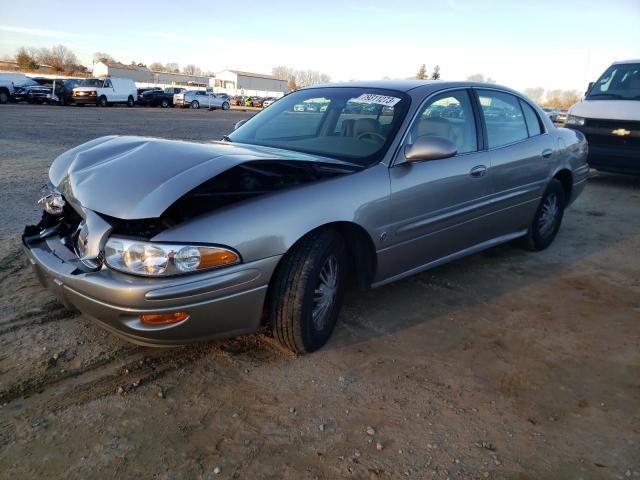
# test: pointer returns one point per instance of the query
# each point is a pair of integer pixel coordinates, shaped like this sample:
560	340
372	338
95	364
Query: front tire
4	97
307	291
102	102
548	217
195	105
225	106
164	103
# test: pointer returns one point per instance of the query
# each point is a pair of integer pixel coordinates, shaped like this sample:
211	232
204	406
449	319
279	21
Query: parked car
160	98
103	92
552	113
6	91
199	98
32	90
168	242
268	101
237	100
562	116
141	91
609	116
64	91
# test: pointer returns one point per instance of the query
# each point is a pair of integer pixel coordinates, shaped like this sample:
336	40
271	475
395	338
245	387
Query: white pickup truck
6	91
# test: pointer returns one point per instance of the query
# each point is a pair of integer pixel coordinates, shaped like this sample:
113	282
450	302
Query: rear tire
548	218
130	102
195	105
164	103
307	291
4	97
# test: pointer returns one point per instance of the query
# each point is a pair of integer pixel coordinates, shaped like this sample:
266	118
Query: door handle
478	171
547	153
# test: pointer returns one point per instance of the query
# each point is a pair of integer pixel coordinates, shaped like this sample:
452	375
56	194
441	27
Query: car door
521	157
437	204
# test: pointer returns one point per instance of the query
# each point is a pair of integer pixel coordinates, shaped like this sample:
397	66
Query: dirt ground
507	364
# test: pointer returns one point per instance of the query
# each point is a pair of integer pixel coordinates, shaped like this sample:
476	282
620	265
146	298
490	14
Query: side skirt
454	256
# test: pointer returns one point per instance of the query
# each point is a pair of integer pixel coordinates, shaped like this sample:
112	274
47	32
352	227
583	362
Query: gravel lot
506	364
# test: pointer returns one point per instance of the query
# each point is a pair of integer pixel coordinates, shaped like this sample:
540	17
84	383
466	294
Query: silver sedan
167	242
199	98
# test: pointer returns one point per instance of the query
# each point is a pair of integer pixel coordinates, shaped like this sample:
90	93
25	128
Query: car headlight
52	200
160	259
575	120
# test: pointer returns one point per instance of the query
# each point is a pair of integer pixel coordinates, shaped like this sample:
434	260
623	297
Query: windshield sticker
377	99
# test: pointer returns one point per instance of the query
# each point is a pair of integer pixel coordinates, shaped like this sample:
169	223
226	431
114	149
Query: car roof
626	61
408	85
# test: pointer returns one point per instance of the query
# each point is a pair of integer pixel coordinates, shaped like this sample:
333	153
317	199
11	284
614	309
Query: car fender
269	225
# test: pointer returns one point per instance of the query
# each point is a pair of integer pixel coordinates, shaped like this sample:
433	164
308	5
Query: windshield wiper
226	138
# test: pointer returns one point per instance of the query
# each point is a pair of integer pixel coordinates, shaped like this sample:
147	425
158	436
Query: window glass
107	84
348	123
447	115
532	119
503	117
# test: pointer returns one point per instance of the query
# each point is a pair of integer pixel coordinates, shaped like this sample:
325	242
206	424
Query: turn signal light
163	318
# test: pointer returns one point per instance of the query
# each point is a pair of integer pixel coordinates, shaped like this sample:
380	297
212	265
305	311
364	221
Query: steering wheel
372	135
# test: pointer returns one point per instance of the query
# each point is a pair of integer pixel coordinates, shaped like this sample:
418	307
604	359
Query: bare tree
26	60
282	72
478	77
156	66
306	78
422	73
103	57
535	93
299	78
172	67
59	57
191	69
435	75
562	98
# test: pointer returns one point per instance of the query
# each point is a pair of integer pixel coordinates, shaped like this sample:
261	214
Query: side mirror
589	88
429	148
239	124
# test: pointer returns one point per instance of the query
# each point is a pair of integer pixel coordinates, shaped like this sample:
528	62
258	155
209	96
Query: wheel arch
565	177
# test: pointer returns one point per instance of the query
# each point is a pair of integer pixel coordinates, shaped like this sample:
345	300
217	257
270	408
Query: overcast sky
553	44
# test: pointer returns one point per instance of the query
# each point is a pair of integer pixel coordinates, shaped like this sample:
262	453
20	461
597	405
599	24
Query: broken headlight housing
52	200
160	260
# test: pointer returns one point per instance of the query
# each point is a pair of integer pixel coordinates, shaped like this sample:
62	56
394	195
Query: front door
436	204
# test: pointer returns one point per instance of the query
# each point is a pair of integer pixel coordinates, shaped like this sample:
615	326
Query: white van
609	116
105	91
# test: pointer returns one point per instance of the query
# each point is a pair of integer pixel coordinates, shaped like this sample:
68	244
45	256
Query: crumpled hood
130	177
607	109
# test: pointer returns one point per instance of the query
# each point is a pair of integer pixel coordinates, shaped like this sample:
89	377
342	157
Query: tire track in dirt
50	312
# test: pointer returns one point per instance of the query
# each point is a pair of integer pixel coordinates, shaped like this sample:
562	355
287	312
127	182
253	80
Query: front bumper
84	99
220	303
610	152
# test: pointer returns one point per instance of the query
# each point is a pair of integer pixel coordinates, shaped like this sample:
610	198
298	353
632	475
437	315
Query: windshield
619	82
347	123
26	83
92	82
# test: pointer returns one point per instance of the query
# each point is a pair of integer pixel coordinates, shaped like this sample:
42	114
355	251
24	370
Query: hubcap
548	216
325	292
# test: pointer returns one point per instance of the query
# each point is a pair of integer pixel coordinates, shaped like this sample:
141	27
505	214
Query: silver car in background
201	99
169	242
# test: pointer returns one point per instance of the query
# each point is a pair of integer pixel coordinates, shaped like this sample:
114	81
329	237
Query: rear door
437	204
521	157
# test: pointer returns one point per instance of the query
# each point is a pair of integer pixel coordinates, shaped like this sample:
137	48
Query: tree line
555	98
299	78
59	58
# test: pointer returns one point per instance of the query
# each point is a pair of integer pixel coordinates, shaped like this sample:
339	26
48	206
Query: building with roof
236	82
144	77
